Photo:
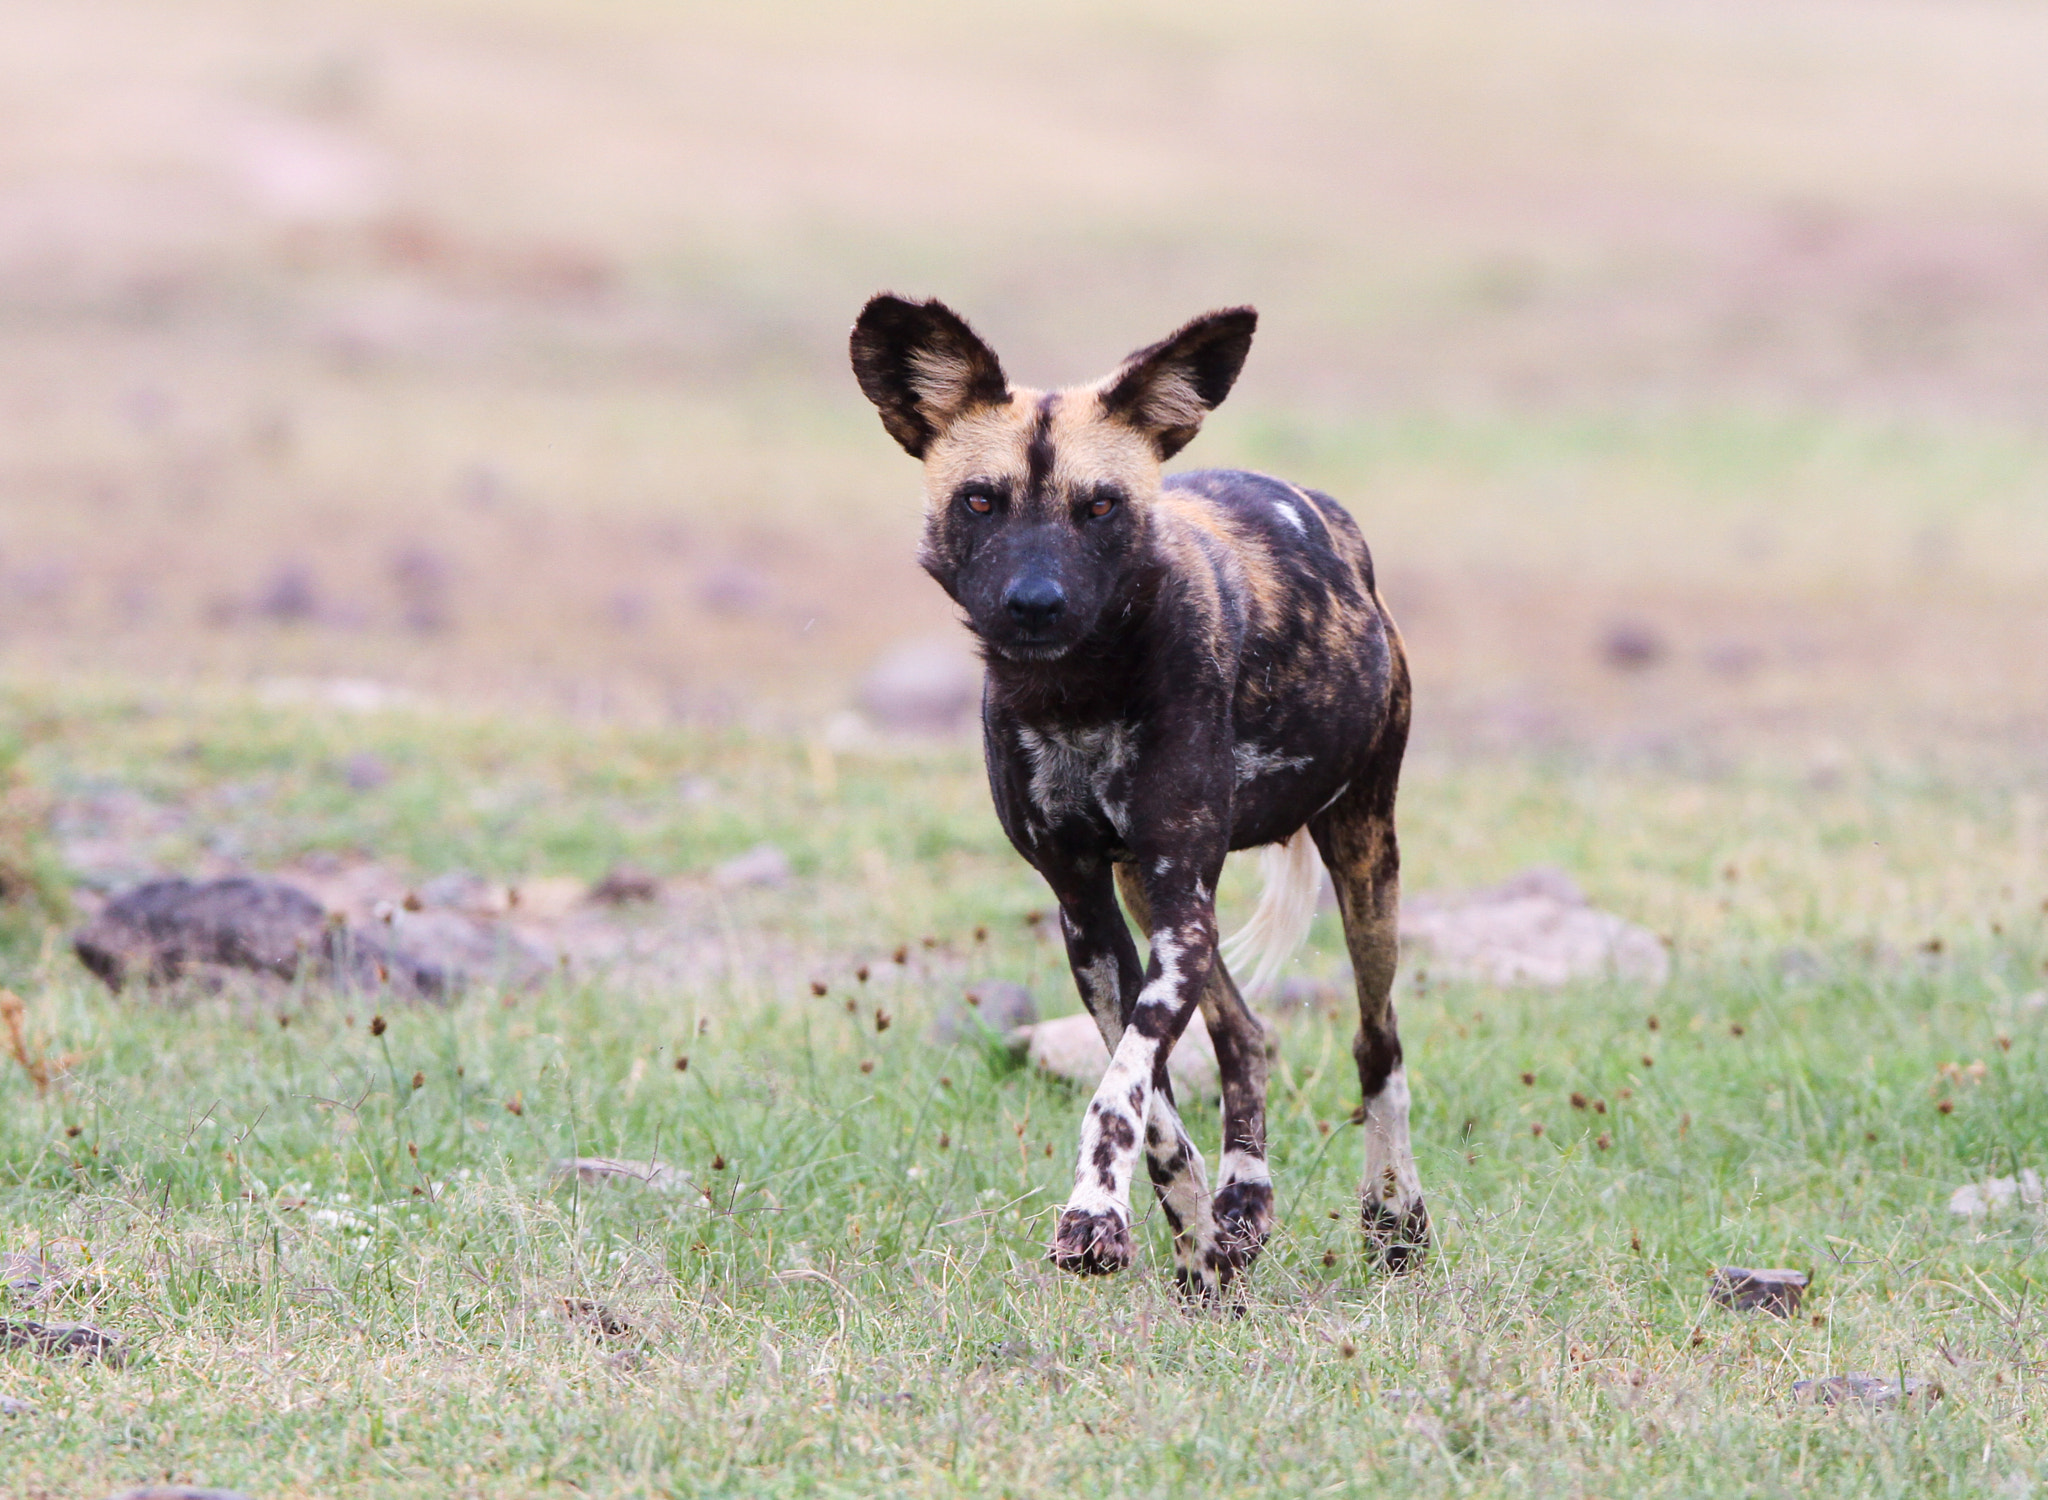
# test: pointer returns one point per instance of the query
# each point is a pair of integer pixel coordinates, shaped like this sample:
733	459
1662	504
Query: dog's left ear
923	367
1164	391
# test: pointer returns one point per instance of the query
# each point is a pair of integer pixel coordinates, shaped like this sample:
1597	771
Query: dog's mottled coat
1177	668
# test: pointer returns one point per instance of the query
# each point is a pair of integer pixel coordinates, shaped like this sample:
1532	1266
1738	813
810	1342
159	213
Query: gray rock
421	577
164	929
438	952
1533	929
995	1004
10	1407
733	589
289	596
29	1279
1974	1199
764	864
1632	645
595	1171
1800	965
1071	1048
624	884
1300	992
1865	1390
159	929
1773	1289
456	890
925	686
62	1338
365	771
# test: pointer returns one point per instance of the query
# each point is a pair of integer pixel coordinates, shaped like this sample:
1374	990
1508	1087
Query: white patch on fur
1072	771
1254	762
1293	515
1242	1166
1260	949
1167	952
1187	1193
1099	982
1390	1176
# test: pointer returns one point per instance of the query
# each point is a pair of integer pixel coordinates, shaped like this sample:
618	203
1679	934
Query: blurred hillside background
1686	363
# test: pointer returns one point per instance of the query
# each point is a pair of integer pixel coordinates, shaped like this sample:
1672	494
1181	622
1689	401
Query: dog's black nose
1034	603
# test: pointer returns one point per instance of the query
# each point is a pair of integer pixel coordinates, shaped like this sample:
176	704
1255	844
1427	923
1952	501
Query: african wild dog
1177	667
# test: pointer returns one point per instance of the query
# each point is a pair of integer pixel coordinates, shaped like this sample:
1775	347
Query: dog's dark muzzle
1036	606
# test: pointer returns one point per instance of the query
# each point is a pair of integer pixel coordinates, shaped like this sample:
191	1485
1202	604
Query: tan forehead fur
1088	445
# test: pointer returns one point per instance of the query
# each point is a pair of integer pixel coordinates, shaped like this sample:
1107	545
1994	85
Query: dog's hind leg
1233	1223
1356	837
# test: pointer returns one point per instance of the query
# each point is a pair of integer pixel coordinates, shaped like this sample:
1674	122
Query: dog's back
1319	675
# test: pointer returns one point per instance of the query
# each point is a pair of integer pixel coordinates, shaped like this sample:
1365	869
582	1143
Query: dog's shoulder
1285	546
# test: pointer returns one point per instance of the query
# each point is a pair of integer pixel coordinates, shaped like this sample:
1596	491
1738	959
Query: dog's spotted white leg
1358	844
1390	1198
1178	1175
1171	1159
1093	1236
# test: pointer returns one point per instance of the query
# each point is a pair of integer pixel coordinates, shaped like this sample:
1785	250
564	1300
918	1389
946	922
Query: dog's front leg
1094	1232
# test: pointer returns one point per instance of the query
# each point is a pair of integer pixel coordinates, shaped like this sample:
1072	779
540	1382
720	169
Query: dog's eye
978	501
1104	502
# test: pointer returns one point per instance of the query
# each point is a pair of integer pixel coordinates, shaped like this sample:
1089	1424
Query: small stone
734	589
996	1004
624	884
1300	992
1774	1289
365	772
1632	645
10	1407
597	1170
289	596
179	1492
28	1278
456	890
1535	928
1071	1048
762	865
61	1338
1866	1390
926	686
1974	1199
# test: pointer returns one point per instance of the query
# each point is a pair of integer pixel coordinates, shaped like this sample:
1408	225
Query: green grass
858	1304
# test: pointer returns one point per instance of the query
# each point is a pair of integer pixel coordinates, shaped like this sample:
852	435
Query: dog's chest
1077	772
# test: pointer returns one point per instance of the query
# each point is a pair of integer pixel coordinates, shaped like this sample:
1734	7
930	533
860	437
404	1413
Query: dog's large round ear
1165	390
923	367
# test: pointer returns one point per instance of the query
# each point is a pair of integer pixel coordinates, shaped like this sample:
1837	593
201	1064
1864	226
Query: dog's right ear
923	367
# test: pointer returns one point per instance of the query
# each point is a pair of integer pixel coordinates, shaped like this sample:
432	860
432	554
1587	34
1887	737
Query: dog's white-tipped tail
1259	950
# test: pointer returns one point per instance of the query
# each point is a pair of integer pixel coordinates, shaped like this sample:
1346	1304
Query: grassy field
487	363
340	1262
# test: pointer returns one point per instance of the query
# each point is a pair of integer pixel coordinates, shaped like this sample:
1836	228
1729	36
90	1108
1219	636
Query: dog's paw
1091	1244
1396	1239
1243	1215
1205	1284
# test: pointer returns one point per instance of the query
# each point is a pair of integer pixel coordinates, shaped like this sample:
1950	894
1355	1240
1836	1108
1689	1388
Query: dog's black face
1036	552
1037	503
